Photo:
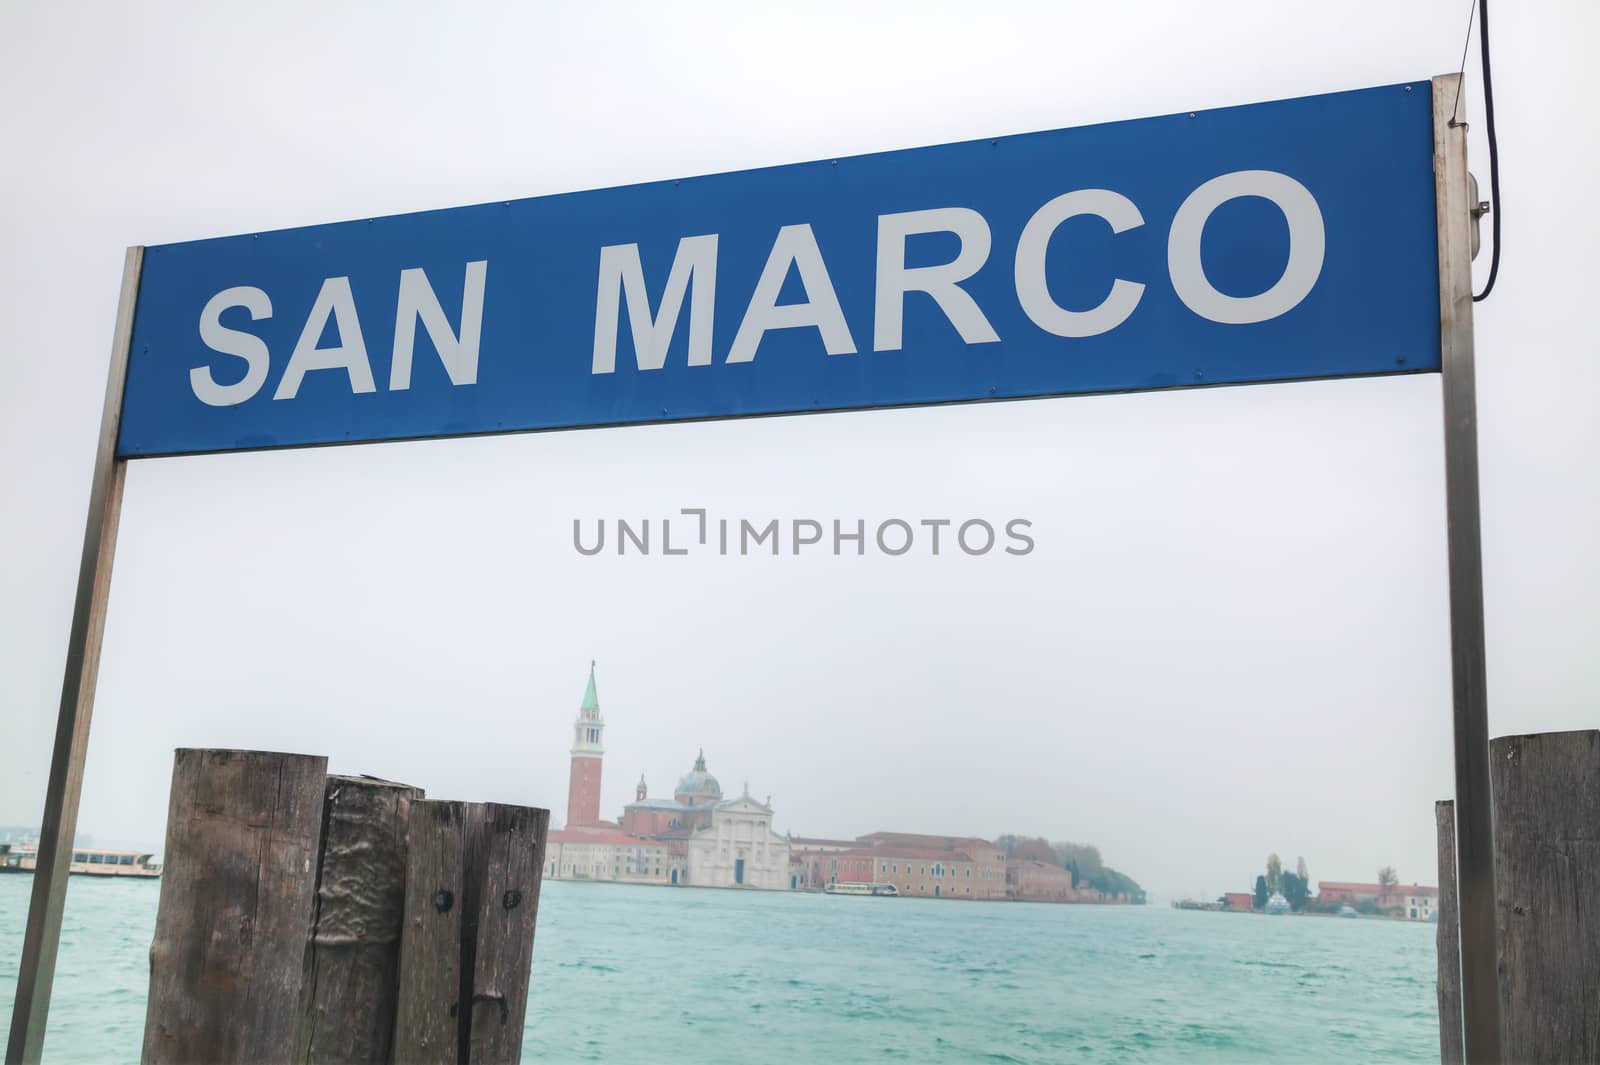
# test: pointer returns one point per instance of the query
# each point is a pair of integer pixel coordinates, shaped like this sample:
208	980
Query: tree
1085	856
1261	893
1082	860
1115	884
1038	850
1274	873
1295	891
1386	882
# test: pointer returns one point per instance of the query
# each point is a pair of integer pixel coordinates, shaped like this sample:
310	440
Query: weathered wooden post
426	1026
472	896
1448	939
1547	873
505	863
353	955
320	919
226	966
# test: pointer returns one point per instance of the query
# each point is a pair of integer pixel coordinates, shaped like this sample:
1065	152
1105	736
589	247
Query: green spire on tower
591	701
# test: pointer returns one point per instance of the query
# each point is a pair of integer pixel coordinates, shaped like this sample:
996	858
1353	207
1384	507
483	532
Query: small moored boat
854	888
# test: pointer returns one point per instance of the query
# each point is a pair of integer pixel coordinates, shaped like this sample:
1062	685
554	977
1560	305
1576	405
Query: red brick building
1031	880
1417	902
1347	891
689	808
813	861
941	867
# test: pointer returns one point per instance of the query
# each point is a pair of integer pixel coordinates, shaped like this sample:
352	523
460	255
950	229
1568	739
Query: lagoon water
627	974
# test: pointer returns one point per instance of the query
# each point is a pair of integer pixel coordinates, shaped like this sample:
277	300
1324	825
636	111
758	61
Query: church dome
697	785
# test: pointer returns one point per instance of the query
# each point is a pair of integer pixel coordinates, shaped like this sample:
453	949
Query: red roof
1034	863
922	853
1375	889
920	840
599	835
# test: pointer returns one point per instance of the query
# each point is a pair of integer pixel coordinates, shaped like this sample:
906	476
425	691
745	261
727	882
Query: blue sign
1273	242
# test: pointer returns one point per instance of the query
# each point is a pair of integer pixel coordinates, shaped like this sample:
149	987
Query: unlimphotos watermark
696	531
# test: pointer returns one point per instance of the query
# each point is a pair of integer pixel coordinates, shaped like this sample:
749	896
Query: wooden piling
353	955
506	857
472	896
227	963
1547	872
426	1027
1452	1050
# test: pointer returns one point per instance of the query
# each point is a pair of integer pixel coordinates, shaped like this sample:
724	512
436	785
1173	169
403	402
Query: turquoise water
638	974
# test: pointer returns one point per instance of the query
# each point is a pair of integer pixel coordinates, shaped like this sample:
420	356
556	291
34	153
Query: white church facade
739	848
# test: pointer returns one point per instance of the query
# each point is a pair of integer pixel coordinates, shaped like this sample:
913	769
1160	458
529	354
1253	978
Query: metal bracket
1478	209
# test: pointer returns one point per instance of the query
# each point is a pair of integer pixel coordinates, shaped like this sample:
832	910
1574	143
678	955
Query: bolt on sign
1276	241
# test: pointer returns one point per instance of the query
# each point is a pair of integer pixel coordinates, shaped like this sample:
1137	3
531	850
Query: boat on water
85	862
854	888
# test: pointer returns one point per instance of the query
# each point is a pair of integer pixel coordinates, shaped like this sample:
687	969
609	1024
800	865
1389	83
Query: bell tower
588	749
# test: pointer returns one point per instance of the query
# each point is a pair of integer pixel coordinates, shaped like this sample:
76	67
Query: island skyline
863	824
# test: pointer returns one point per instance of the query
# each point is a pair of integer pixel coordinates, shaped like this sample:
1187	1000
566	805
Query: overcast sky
1230	639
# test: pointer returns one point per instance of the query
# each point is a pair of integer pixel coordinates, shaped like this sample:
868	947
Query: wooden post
1451	1050
226	967
472	899
430	946
1547	870
353	955
506	860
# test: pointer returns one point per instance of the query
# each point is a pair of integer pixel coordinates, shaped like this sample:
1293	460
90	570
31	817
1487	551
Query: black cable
1494	150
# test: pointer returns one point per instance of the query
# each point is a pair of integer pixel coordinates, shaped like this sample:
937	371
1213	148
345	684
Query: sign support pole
38	963
1480	983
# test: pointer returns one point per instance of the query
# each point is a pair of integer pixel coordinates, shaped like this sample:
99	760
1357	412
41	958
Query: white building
738	848
602	854
1421	903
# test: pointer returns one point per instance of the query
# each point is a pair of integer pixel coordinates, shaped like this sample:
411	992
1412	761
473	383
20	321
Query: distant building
1030	880
738	848
699	838
949	867
1347	891
1415	902
1238	900
1420	903
608	854
814	862
696	838
689	808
